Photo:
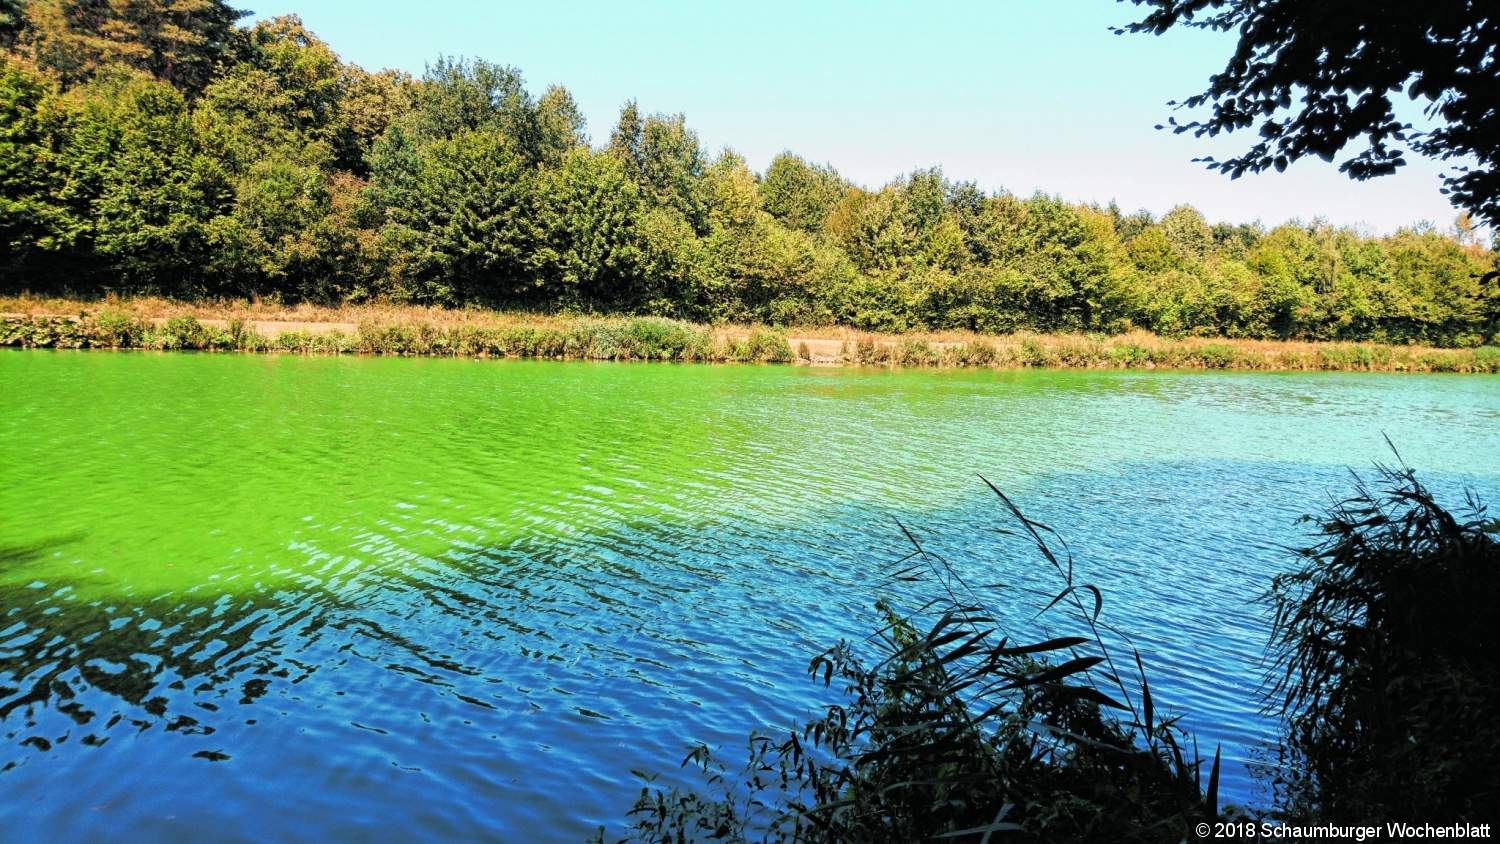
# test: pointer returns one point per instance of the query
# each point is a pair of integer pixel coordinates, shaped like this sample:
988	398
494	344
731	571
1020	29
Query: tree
462	214
559	126
269	166
458	96
32	221
592	211
800	194
1345	60
283	101
664	158
1188	233
1067	260
128	163
181	42
12	21
370	103
759	270
1465	230
868	227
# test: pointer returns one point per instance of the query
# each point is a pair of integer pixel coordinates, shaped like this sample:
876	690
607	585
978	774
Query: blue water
282	598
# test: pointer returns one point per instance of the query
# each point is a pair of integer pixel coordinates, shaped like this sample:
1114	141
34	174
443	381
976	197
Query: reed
1386	662
1384	668
947	729
404	330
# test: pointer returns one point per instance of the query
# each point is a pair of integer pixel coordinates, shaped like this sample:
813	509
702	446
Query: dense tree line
155	145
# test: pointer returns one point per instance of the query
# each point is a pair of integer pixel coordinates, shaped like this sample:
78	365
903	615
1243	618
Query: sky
1019	95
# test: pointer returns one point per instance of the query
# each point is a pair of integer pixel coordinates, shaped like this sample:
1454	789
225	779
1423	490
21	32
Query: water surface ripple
312	599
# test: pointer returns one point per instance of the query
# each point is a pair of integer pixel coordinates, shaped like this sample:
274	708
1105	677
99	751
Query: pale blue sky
1024	95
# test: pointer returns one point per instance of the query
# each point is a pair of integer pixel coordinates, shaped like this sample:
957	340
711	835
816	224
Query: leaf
1093	694
1050	645
1211	797
1146	704
1098	599
1072	666
988	829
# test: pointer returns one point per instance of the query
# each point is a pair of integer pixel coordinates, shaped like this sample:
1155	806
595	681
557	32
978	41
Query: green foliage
1342	61
764	346
182	333
1387	671
33	222
12	22
663	156
281	101
592	214
119	331
462	220
281	171
127	163
459	96
656	338
181	42
798	194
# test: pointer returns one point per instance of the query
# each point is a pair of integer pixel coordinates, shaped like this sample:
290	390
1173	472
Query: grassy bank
152	323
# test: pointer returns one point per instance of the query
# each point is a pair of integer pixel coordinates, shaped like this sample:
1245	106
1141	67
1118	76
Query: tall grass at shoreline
1381	670
633	339
152	323
945	728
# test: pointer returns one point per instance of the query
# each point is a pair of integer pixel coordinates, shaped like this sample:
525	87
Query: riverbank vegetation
1383	672
154	323
159	147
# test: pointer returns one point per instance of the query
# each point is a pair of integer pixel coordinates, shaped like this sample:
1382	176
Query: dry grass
817	345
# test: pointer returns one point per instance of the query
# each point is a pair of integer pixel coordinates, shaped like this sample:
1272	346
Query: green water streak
162	473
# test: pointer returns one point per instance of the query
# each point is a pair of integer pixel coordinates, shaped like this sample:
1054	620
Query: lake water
313	599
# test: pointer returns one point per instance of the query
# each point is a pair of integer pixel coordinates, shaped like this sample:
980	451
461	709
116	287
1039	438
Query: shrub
185	332
1079	354
599	341
116	330
950	731
473	341
1487	359
392	339
765	346
1441	361
659	339
321	342
1387	662
865	351
1032	352
1130	355
976	353
916	353
43	332
293	341
1215	355
251	341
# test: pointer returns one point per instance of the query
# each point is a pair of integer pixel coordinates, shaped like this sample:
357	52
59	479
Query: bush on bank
642	338
648	338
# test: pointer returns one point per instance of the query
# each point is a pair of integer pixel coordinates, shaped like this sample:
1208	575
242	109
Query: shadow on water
522	681
30	552
76	671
